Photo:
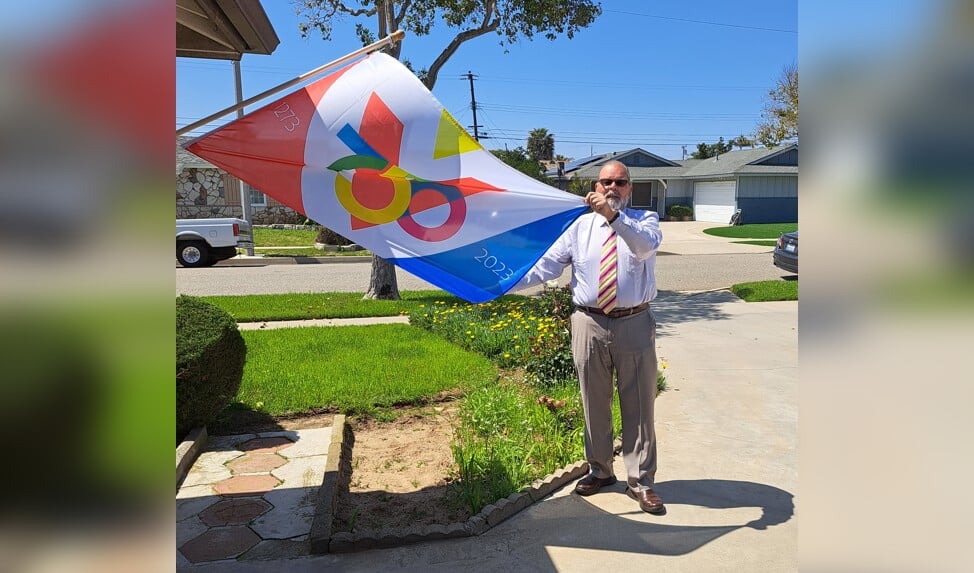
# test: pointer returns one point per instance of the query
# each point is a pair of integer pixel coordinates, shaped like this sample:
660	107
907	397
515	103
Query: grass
264	237
308	252
759	243
757	231
298	306
767	291
352	368
296	243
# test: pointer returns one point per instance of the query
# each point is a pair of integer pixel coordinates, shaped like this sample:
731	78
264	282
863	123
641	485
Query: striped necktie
608	270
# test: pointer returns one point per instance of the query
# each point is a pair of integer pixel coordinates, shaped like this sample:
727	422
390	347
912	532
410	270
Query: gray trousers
625	346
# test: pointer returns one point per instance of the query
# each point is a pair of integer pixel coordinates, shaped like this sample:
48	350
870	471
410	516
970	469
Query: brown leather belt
617	312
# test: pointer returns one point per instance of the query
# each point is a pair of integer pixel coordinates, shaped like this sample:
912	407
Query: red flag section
267	145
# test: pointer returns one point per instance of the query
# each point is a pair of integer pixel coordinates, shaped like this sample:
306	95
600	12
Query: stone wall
202	194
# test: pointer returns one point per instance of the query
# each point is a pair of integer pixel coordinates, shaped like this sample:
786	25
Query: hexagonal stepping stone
265	445
252	463
237	511
247	484
219	543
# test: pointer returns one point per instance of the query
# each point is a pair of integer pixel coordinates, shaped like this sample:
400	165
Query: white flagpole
396	36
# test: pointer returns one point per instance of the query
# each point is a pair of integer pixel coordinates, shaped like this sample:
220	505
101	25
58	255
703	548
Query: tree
780	115
512	20
541	144
741	142
705	150
519	159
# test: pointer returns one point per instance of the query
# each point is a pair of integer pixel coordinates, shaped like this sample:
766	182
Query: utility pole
473	107
684	152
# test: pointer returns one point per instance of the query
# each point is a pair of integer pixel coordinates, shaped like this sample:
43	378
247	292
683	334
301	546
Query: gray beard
614	202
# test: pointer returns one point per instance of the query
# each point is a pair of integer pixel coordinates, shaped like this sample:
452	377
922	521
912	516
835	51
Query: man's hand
600	205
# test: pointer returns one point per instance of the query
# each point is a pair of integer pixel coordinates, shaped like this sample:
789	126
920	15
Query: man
612	251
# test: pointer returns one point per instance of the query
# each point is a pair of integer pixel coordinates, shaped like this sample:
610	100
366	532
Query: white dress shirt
580	245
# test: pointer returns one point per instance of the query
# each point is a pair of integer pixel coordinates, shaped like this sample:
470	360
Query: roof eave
223	29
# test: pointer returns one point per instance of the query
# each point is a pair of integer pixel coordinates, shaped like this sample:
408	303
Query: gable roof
185	159
637	156
741	162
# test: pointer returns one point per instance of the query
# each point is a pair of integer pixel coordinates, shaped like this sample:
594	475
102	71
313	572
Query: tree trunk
382	283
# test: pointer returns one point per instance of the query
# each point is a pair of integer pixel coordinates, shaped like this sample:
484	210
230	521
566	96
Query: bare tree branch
485	27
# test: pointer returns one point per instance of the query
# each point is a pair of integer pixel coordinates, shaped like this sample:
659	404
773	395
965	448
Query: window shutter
231	189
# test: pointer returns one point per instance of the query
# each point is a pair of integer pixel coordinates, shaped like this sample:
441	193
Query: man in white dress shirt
613	256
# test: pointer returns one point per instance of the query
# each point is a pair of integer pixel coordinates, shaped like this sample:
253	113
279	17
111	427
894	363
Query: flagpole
396	36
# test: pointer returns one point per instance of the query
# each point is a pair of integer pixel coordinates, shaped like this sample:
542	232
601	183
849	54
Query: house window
642	195
257	198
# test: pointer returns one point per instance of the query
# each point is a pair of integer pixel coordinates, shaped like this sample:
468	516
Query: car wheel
192	253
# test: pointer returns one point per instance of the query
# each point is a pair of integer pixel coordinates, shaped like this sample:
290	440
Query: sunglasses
618	182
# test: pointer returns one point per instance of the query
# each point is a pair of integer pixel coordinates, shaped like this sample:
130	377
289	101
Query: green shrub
550	361
210	355
326	236
677	210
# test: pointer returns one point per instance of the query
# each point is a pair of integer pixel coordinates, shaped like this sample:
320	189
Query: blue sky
656	75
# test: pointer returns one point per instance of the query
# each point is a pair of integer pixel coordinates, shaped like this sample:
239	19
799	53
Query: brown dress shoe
591	484
648	500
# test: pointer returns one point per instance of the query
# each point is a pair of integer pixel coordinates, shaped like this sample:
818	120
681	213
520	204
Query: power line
708	22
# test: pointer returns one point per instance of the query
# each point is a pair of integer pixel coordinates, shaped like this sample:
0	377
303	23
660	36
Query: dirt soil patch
402	471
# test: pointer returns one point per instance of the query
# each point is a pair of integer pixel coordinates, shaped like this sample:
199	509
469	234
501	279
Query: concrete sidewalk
727	430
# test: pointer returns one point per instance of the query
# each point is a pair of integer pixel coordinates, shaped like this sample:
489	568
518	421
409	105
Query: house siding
772	199
678	192
788	158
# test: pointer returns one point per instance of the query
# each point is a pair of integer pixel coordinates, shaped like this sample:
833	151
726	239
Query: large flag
369	153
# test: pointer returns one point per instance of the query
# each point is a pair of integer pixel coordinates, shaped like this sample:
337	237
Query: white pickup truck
203	242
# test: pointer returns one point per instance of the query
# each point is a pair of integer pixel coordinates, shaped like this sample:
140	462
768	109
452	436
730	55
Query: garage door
714	201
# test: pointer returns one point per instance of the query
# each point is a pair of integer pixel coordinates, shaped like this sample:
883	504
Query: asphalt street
673	272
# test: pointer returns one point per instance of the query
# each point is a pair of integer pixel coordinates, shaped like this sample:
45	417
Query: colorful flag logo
369	153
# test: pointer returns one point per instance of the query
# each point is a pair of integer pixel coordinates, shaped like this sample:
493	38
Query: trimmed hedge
210	356
678	210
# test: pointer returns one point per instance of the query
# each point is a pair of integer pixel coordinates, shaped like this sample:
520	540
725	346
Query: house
761	182
203	191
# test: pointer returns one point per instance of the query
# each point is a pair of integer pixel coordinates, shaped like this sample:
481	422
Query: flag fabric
369	153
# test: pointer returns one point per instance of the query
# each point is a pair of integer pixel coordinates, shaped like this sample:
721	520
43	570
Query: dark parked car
786	252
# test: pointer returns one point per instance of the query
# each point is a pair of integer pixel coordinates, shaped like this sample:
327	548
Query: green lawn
758	231
758	243
264	237
297	306
766	291
307	252
352	368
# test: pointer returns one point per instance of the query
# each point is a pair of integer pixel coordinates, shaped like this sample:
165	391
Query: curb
264	261
187	452
338	472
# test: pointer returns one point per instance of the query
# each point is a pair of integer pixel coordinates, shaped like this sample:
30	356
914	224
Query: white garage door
714	201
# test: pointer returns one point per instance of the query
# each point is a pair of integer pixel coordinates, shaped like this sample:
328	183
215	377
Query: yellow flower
663	364
507	355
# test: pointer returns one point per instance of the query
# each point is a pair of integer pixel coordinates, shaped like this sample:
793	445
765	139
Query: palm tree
541	144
